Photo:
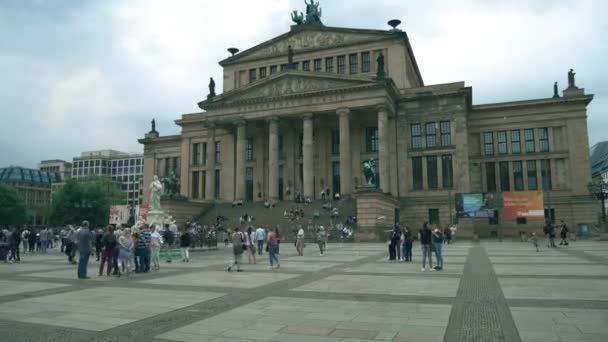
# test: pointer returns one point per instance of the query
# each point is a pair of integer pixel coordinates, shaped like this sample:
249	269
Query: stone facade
276	132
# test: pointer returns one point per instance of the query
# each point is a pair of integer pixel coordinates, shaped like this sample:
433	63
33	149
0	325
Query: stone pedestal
156	217
570	92
375	214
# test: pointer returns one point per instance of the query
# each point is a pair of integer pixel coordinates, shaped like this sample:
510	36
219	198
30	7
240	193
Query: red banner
522	204
143	212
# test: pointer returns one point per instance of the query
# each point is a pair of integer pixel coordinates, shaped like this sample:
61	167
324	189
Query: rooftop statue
153	126
290	54
211	88
380	71
313	14
571	81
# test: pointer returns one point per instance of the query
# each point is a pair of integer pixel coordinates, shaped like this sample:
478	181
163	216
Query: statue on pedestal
571	80
369	171
290	54
171	184
211	88
156	190
380	69
555	92
153	126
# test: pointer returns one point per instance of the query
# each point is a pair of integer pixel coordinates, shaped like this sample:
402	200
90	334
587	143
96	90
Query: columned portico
273	158
210	178
240	160
383	152
307	160
345	151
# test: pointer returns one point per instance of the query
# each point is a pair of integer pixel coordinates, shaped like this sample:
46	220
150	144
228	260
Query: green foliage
87	198
12	207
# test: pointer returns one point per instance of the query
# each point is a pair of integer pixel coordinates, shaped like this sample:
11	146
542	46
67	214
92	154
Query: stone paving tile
554	288
11	287
551	270
401	268
100	308
290	265
326	258
417	259
561	324
537	260
422	285
69	274
222	278
31	267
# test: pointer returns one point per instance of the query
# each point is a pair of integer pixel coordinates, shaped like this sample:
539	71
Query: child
534	241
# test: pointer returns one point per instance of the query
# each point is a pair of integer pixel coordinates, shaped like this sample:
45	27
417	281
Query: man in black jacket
424	235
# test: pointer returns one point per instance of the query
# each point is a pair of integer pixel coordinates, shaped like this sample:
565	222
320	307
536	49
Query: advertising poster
119	214
142	212
523	204
472	205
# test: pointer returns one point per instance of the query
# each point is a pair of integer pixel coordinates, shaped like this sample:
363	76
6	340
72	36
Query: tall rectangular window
196	154
217	151
296	65
195	184
281	145
491	176
341	64
515	141
204	153
306	66
317	65
532	178
283	67
263	72
335	141
502	142
249	152
365	62
488	144
529	137
431	134
446	133
252	74
431	172
417	173
329	64
545	173
503	168
353	66
447	171
301	144
416	132
371	139
273	69
217	184
543	139
518	175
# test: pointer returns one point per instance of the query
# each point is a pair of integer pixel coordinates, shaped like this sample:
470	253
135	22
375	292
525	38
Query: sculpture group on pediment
313	14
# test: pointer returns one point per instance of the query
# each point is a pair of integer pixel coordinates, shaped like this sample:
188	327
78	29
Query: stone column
210	174
345	152
273	158
241	141
307	159
383	153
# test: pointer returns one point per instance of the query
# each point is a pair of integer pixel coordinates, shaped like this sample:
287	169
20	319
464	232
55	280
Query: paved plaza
488	291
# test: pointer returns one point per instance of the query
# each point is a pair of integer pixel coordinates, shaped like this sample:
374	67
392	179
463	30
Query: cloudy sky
86	75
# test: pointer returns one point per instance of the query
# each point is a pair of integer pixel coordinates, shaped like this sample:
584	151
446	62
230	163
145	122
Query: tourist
71	240
14	243
156	241
139	247
98	243
250	245
322	240
300	241
437	240
447	235
25	236
453	233
272	246
109	244
44	240
32	240
548	230
563	234
260	235
424	236
407	244
184	243
85	243
534	240
62	234
145	235
125	248
238	247
4	245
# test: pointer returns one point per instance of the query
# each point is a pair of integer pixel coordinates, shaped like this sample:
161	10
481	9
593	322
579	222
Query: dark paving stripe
368	297
559	303
480	311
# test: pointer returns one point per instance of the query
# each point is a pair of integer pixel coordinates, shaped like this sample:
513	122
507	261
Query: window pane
431	135
515	142
249	149
416	133
317	65
273	69
446	171
543	139
365	62
532	179
217	183
263	72
335	141
488	143
306	65
352	62
341	64
417	173
545	170
529	137
504	176
518	175
195	184
371	139
329	64
446	134
431	171
491	177
502	142
252	75
217	151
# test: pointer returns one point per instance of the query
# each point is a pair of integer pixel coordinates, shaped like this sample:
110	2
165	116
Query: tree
87	198
12	206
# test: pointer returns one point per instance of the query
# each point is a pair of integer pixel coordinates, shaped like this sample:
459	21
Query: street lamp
600	190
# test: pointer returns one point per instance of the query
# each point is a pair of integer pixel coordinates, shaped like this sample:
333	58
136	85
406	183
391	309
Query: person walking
185	240
300	241
125	250
424	235
25	235
145	236
534	240
156	242
322	240
44	240
437	240
98	243
238	247
260	236
250	245
447	235
273	247
407	244
85	246
395	239
547	230
563	233
109	244
32	240
15	244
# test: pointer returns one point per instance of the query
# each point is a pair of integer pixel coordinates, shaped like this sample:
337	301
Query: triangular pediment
305	38
288	83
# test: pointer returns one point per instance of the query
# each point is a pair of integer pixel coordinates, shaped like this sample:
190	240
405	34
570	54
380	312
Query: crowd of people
431	238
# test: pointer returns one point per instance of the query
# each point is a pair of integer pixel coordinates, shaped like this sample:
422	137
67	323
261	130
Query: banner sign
119	214
474	205
523	204
142	211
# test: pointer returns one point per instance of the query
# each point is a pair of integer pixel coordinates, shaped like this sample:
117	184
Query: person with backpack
563	234
238	247
437	239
